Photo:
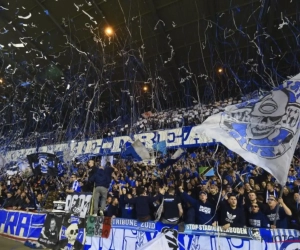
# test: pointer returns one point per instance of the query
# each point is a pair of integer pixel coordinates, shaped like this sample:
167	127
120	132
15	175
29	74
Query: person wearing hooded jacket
205	211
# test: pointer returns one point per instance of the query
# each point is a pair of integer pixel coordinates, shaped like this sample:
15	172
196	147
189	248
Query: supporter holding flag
230	214
283	212
74	186
205	211
257	218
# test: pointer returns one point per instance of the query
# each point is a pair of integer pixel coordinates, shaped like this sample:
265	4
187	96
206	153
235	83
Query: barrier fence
128	234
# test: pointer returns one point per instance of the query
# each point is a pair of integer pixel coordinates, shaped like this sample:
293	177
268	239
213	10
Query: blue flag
160	147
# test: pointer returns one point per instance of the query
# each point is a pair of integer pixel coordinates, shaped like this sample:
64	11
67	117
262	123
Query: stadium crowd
149	121
202	187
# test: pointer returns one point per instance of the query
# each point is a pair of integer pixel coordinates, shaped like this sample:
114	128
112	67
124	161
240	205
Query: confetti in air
63	78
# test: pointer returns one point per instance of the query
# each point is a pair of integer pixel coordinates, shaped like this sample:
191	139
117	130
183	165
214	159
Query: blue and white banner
129	234
234	232
21	225
179	137
264	131
149	226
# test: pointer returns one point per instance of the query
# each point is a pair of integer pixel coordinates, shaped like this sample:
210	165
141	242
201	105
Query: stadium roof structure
62	68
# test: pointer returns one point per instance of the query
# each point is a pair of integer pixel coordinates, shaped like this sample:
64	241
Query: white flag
177	154
105	159
263	131
167	240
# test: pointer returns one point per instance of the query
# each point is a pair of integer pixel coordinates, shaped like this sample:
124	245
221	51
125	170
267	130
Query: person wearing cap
205	211
230	214
283	212
257	218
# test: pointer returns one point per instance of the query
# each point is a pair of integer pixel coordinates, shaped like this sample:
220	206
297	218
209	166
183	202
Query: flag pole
278	205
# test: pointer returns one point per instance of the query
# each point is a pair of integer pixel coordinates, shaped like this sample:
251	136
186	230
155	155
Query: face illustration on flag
264	131
265	127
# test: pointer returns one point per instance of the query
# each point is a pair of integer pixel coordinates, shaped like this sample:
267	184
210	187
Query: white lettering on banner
133	223
23	222
11	225
125	222
150	225
161	135
179	137
208	228
147	138
107	145
119	143
83	201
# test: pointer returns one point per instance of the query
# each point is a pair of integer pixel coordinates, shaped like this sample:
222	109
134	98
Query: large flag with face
263	131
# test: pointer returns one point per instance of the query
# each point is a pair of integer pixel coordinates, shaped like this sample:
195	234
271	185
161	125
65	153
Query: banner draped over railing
127	234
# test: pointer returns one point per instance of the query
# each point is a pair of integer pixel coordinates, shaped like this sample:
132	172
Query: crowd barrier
127	234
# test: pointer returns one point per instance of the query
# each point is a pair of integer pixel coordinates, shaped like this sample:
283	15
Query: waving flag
43	163
107	158
166	240
160	147
174	158
136	151
178	154
264	131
